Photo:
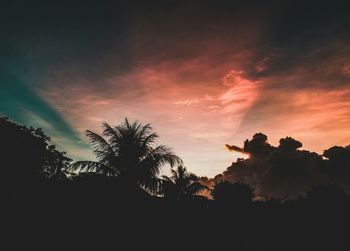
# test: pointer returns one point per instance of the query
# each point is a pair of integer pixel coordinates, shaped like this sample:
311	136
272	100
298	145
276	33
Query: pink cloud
200	96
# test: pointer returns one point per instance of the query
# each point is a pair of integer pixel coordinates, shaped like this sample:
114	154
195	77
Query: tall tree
128	151
181	184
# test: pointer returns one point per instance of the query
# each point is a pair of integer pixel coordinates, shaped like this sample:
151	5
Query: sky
203	74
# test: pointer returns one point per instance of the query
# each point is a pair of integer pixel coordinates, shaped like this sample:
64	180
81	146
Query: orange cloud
200	89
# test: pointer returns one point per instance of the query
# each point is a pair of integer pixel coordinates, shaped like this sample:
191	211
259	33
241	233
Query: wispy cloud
203	75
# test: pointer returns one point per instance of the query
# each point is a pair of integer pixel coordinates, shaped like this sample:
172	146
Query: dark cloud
234	148
337	165
98	40
102	36
285	171
128	52
289	144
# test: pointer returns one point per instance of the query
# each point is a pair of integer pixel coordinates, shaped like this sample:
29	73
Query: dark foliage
229	194
27	159
96	210
182	185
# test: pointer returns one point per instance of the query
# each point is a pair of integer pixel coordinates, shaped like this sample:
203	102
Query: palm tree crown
130	152
181	184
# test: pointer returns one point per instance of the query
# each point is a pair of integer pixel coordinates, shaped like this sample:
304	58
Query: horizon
202	74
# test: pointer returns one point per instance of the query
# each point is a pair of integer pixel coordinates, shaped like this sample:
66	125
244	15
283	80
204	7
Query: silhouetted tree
128	151
27	157
55	164
181	184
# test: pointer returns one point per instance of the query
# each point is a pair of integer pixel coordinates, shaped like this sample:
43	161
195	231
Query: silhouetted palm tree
128	151
181	184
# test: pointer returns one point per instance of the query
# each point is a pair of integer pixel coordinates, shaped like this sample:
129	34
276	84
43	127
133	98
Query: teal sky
22	104
202	73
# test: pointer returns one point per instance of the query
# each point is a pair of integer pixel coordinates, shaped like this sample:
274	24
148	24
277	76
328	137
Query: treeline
120	200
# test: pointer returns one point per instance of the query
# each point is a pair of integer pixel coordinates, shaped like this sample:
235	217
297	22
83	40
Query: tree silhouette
27	157
128	151
35	191
181	184
55	164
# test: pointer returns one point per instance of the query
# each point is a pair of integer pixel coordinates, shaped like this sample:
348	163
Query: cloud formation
286	171
201	73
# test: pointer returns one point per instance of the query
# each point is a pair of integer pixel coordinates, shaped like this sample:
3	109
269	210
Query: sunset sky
204	74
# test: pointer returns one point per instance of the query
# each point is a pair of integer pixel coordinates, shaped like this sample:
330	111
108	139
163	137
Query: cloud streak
201	74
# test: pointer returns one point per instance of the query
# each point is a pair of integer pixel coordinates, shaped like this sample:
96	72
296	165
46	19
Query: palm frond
174	176
167	179
149	139
90	166
168	187
112	135
196	187
152	185
101	148
159	156
144	131
181	172
189	178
